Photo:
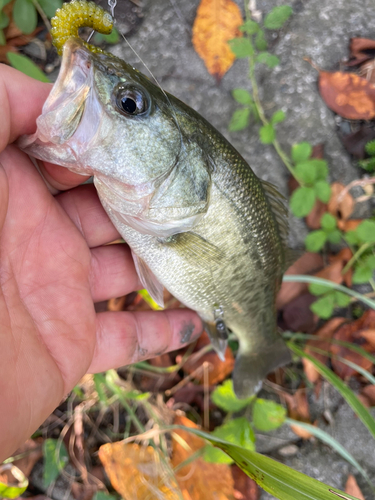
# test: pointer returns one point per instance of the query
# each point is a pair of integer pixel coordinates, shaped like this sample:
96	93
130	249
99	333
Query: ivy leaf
341	299
328	222
239	120
315	240
241	47
250	27
268	415
25	16
278	17
260	41
268	59
362	274
26	65
301	152
278	117
237	431
302	201
223	397
366	231
50	6
323	191
55	459
242	96
324	306
318	289
267	134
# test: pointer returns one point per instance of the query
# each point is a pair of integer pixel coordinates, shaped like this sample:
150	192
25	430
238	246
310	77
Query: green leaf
112	38
301	152
19	483
239	120
267	134
328	222
302	201
55	459
268	59
242	96
323	191
334	237
370	261
278	17
2	38
370	148
321	168
237	431
260	41
324	306
50	6
241	47
366	231
315	240
101	495
25	16
4	20
331	441
318	289
278	117
352	238
26	65
250	27
223	397
268	415
341	299
362	274
339	385
305	172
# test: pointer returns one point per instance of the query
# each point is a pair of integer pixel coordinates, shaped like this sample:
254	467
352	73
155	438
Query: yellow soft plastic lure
78	14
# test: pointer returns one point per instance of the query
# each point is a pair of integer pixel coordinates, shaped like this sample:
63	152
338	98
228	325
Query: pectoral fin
195	248
149	280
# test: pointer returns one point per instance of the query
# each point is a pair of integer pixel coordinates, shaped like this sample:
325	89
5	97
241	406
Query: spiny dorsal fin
279	209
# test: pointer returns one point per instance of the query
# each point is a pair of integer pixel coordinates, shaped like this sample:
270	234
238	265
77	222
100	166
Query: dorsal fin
279	209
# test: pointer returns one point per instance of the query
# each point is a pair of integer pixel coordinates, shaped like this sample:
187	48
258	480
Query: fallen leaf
308	263
369	393
216	23
361	49
352	488
348	95
314	217
137	472
324	334
332	272
298	409
32	451
245	488
340	206
218	370
355	142
199	477
354	332
344	256
297	316
192	394
349	225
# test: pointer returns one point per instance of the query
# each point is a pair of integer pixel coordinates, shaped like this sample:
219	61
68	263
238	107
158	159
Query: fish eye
132	101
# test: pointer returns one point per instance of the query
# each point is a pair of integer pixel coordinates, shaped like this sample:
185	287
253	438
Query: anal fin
149	280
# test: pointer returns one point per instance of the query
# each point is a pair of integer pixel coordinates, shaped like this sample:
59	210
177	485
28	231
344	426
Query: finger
4	195
60	178
21	101
112	272
85	210
124	337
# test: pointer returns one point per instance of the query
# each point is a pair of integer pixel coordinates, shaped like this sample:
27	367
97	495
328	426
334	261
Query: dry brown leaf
245	488
340	207
137	472
218	370
199	477
297	315
369	393
358	48
298	409
216	23
349	225
316	214
308	263
332	272
352	488
344	256
324	334
348	95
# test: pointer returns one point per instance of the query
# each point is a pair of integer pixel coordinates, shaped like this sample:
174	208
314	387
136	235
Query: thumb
4	195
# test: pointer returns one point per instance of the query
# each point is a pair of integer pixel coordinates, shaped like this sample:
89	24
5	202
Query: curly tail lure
78	14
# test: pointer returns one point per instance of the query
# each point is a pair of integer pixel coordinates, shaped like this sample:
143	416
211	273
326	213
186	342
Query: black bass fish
198	220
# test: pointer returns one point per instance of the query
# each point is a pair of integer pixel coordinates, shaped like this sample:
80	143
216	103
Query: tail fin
252	367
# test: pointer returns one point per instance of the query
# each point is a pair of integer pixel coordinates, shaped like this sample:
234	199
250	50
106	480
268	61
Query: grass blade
360	410
331	441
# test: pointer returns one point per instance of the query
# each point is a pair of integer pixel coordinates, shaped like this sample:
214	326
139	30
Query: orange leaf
352	488
216	23
137	472
245	488
348	95
340	206
298	409
199	477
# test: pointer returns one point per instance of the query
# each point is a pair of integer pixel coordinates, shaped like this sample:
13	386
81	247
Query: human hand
54	266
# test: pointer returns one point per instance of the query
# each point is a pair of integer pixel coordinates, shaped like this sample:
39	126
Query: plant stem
356	256
42	14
